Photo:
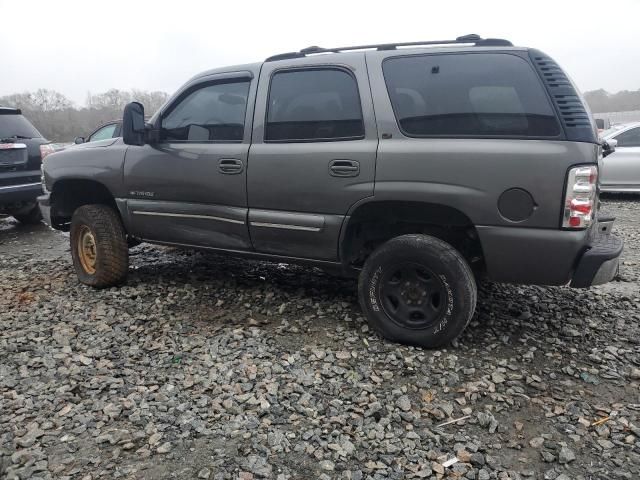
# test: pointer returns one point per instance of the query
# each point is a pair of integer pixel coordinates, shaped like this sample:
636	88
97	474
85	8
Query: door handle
344	168
230	166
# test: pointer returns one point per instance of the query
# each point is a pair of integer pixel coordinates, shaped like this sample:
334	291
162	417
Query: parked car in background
471	165
22	149
621	170
103	132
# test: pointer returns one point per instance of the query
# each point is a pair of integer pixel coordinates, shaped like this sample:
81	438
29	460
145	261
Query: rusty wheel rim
87	251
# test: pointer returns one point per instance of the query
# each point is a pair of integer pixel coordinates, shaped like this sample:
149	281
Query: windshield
12	125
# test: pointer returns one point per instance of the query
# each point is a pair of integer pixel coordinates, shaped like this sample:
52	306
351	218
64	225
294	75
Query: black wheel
418	290
31	217
99	246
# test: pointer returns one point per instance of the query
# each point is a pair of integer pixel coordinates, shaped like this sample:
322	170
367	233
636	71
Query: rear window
484	94
12	125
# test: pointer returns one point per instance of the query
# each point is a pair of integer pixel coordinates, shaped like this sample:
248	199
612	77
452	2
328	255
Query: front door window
210	113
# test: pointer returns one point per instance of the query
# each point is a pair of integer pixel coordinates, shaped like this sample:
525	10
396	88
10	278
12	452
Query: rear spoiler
10	111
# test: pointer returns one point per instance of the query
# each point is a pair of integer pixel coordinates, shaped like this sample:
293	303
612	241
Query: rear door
461	128
621	169
313	153
189	188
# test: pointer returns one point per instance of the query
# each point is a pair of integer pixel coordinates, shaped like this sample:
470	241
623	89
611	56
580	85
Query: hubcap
412	295
87	252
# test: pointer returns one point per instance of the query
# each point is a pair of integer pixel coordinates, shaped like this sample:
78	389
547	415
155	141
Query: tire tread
113	252
449	255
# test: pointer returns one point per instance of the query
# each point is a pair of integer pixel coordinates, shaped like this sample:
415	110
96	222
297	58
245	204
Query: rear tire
417	290
99	246
32	217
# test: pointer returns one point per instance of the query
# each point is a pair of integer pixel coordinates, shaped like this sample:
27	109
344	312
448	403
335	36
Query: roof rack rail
471	38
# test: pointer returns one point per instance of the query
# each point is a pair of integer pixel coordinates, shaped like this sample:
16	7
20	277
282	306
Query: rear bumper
551	257
12	196
531	255
599	263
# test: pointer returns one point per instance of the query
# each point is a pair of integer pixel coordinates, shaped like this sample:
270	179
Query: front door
190	187
313	154
621	169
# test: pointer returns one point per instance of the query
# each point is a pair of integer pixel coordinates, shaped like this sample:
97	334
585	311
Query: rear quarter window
476	95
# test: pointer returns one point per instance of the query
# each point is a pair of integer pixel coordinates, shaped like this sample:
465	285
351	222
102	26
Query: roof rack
465	39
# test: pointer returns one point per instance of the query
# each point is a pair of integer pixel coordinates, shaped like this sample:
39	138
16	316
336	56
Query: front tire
99	246
417	290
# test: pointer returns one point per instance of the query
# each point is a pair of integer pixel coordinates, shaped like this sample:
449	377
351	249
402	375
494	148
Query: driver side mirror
78	140
133	128
609	146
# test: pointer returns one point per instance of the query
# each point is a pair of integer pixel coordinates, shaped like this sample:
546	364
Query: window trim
198	86
339	68
559	136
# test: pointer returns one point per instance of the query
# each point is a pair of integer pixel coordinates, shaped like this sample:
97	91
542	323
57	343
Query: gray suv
416	169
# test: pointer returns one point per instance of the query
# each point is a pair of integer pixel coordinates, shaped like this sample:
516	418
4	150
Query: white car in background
621	169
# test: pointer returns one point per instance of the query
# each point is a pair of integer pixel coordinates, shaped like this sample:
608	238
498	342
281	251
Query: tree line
59	120
601	101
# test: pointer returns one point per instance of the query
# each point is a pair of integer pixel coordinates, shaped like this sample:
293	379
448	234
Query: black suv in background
22	149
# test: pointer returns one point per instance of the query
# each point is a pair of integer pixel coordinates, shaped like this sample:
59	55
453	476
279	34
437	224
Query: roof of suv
463	43
471	39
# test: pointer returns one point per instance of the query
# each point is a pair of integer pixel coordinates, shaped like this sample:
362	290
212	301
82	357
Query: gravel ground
209	367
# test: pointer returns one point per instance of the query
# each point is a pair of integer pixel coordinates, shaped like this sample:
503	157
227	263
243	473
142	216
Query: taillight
45	150
7	146
580	199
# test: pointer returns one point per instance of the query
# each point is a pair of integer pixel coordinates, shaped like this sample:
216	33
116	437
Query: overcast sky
79	46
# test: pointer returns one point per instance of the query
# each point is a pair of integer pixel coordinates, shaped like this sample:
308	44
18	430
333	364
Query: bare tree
111	99
17	100
49	100
42	100
603	101
152	101
55	116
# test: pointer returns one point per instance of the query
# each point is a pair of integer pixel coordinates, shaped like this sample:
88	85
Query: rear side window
12	125
313	105
484	94
211	112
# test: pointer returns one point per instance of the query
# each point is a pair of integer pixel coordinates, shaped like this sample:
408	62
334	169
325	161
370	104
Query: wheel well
68	195
374	223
